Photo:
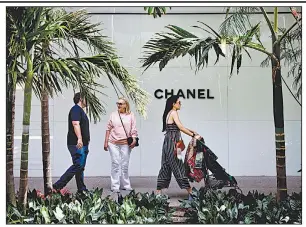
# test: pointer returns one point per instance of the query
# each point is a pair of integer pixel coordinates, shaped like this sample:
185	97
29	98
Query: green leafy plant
217	207
155	203
237	33
91	208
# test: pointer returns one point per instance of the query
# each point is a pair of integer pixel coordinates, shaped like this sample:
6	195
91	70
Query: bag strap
122	124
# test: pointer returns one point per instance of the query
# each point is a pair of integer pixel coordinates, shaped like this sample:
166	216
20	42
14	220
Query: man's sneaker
55	189
159	195
115	190
82	191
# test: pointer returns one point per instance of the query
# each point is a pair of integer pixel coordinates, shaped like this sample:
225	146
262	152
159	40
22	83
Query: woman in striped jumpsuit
170	163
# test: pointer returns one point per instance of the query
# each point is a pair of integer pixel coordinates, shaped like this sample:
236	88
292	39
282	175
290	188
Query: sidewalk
148	184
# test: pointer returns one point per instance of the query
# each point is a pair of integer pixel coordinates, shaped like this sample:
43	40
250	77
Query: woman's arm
108	129
193	131
134	132
177	121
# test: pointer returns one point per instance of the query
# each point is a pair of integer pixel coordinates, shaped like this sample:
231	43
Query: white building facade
234	115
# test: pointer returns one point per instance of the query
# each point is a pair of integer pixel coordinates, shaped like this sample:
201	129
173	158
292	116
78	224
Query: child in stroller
199	159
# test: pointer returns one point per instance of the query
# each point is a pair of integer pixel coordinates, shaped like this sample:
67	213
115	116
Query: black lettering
201	93
209	97
191	93
180	93
167	93
157	91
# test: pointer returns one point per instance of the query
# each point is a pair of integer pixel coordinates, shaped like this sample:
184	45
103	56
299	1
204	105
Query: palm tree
179	42
51	73
77	27
291	54
24	26
286	45
10	117
10	111
239	22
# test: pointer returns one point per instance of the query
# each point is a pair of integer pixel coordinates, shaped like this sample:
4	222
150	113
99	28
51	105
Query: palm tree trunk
23	185
10	119
278	111
45	132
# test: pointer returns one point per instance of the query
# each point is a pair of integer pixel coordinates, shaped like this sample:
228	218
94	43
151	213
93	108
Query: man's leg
76	167
79	176
114	152
125	152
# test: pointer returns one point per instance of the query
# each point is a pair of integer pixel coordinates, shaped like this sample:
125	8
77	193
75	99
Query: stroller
199	159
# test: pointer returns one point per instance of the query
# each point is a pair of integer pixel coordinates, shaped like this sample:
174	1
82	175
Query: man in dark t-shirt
78	138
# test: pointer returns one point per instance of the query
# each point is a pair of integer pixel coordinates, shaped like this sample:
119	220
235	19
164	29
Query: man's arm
77	129
76	118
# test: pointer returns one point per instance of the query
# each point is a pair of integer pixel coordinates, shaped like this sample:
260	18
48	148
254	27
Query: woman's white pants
120	157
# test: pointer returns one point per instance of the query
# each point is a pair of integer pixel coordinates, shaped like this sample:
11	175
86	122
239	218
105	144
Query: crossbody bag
129	138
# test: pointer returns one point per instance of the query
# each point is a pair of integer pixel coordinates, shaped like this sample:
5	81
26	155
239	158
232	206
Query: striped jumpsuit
170	163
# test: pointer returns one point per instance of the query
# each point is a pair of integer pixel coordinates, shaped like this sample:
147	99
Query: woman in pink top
117	145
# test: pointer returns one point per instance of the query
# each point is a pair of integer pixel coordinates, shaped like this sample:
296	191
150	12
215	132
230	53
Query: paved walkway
148	184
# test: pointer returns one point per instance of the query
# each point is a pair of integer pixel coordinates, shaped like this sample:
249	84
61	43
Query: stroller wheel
215	184
233	182
232	192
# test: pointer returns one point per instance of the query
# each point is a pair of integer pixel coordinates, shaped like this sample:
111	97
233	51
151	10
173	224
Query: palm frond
77	26
82	73
81	29
238	23
111	68
21	21
156	11
236	57
76	74
60	31
72	27
291	54
166	46
177	43
296	72
266	62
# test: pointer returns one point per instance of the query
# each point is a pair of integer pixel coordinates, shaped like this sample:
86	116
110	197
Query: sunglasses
119	103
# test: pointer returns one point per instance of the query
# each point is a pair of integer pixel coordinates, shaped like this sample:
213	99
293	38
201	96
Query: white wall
237	124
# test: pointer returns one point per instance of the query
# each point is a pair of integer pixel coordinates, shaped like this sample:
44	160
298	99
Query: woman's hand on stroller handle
197	137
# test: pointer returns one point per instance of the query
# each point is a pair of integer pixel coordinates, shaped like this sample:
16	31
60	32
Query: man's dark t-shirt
76	113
